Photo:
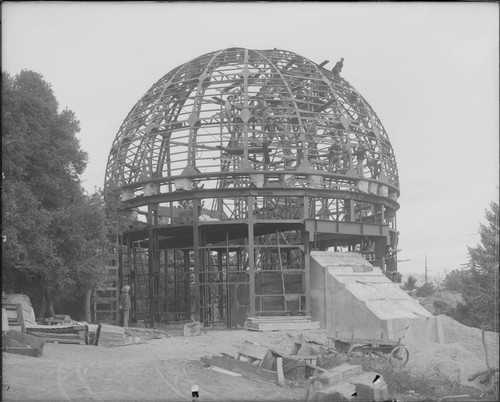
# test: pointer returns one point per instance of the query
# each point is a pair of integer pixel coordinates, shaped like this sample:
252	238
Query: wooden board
267	361
250	350
232	364
281	326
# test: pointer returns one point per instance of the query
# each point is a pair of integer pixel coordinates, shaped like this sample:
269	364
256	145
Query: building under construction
233	168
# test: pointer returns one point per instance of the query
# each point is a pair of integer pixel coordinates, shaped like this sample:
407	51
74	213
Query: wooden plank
224	371
282	326
279	317
281	376
267	361
13	338
256	352
20	317
231	364
20	350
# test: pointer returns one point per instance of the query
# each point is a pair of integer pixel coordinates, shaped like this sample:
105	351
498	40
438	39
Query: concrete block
368	389
192	329
338	393
339	374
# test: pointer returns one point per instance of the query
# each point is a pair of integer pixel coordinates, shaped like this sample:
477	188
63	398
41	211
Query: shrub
426	290
410	283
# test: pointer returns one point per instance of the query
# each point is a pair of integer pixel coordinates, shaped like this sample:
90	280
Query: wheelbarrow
359	348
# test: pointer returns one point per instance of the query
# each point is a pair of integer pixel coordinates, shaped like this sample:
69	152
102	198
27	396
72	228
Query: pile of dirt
460	356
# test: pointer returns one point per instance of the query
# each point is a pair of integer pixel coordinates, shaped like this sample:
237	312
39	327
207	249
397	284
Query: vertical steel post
251	255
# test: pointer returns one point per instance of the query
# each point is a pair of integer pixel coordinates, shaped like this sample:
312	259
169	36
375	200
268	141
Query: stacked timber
280	323
58	333
111	335
265	364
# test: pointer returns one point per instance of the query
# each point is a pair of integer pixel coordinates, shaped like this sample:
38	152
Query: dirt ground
165	369
159	369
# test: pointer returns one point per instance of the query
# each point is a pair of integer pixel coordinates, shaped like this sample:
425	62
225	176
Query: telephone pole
426	268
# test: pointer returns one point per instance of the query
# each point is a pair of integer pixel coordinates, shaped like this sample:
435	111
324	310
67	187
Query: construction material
280	323
110	335
22	343
279	371
24	301
223	371
73	334
14	313
246	369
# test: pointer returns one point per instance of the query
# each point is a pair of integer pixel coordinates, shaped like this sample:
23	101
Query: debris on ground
192	328
22	343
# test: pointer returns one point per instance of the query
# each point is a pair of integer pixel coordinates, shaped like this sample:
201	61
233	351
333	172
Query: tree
53	231
426	290
410	283
478	284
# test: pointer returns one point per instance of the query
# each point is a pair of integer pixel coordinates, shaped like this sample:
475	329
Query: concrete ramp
350	296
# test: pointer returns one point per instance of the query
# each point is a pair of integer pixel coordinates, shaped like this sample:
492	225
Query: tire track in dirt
74	377
173	386
203	391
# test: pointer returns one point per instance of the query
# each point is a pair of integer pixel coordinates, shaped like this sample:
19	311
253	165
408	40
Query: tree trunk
48	301
86	306
43	307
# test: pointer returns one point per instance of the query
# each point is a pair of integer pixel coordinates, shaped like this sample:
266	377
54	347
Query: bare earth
160	369
165	369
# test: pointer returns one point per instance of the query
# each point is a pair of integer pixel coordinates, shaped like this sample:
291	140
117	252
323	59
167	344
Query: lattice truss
258	110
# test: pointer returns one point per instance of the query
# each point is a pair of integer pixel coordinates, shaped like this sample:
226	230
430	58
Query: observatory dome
251	118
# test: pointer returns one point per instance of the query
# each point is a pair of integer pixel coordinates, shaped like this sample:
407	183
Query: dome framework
235	165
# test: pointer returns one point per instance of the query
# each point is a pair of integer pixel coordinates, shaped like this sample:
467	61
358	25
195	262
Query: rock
192	328
370	386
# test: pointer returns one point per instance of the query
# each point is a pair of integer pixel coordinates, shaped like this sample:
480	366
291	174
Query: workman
124	306
360	153
338	67
334	156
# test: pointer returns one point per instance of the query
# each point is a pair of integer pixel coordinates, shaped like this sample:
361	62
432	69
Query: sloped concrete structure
351	296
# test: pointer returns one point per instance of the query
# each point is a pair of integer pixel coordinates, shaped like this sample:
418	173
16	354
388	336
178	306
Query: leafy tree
53	231
454	280
410	283
426	290
478	284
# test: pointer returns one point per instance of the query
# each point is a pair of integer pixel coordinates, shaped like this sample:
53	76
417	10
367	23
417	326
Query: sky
429	70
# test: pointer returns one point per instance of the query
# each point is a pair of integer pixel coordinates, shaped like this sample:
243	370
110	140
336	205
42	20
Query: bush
410	283
454	280
426	290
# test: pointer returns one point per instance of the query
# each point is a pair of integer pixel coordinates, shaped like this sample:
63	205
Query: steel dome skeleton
254	135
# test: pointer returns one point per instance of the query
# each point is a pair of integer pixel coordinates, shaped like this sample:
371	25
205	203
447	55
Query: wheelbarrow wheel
399	356
355	354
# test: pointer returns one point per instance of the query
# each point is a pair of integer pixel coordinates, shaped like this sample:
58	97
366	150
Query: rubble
192	328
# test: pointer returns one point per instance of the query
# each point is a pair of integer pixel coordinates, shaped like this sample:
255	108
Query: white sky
429	70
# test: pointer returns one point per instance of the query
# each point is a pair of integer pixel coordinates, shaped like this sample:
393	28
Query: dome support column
251	255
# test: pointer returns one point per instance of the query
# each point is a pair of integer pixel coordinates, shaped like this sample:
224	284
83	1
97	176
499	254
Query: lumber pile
73	334
280	323
22	343
256	361
111	335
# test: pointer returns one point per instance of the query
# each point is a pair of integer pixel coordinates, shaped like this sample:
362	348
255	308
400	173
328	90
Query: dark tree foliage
410	283
53	230
479	283
426	290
